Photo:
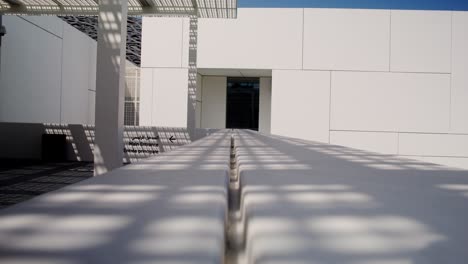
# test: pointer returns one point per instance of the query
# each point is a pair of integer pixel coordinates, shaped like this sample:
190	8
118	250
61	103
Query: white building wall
420	41
367	79
346	39
30	72
146	96
47	72
213	112
199	101
300	104
264	115
382	142
76	84
170	97
390	102
164	72
165	43
257	39
459	88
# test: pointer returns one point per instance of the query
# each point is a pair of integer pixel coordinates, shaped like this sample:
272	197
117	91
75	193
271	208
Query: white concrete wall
389	81
78	82
338	39
386	101
30	74
214	92
199	101
165	43
264	115
300	104
47	72
170	94
421	41
257	39
163	94
459	84
164	72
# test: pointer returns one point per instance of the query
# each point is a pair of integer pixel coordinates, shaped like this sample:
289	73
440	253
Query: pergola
199	8
110	65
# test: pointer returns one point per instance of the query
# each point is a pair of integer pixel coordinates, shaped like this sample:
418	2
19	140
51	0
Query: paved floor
298	202
22	180
170	208
313	203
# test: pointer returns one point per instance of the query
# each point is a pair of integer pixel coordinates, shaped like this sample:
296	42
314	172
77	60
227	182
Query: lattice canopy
200	8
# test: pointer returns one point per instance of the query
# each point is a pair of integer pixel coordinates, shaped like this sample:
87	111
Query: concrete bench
309	202
167	209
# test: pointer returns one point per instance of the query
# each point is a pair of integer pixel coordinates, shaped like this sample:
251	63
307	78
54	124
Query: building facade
390	81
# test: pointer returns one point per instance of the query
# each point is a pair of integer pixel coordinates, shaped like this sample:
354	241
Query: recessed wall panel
52	24
146	96
162	40
391	102
257	39
423	102
451	162
185	42
91	107
92	65
30	73
420	41
380	142
300	104
170	91
363	101
75	76
199	102
433	145
459	118
346	39
213	112
264	125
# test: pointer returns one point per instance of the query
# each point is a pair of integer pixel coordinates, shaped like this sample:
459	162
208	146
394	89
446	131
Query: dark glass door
242	103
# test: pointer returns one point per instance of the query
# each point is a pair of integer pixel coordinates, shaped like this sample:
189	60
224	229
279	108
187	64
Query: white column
110	85
192	77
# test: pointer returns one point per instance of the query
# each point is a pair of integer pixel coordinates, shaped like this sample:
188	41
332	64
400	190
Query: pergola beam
89	11
199	8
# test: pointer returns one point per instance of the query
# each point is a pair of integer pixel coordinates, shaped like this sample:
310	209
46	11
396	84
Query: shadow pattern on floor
21	180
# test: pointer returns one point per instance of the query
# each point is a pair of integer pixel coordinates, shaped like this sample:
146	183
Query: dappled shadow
301	202
24	140
166	209
21	180
309	202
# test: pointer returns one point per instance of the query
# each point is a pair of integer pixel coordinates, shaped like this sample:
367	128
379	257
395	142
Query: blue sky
373	4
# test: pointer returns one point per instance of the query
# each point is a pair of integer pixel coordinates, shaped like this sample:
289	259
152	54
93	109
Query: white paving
167	209
301	202
308	202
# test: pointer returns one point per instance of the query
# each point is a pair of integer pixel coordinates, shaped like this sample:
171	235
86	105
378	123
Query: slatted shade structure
199	8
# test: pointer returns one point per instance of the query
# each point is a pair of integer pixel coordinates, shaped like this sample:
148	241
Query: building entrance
242	103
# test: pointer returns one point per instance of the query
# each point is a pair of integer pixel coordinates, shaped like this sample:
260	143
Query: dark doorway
242	103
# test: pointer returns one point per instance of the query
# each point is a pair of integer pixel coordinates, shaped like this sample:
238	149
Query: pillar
110	85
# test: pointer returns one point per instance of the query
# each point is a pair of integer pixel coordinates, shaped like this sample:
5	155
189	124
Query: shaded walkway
299	202
166	209
308	202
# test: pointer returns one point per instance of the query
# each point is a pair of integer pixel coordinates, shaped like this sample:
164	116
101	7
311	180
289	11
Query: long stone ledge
311	202
167	209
